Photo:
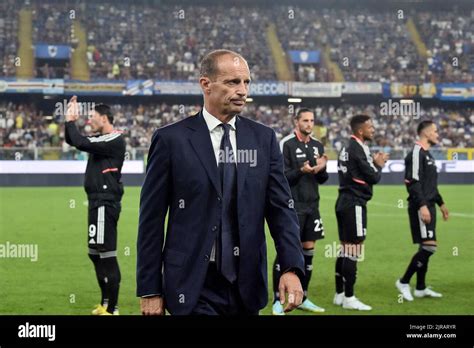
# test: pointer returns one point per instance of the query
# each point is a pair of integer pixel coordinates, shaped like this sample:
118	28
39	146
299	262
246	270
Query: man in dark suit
213	261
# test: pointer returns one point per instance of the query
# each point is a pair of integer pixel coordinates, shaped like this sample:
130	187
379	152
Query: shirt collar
300	137
422	146
212	122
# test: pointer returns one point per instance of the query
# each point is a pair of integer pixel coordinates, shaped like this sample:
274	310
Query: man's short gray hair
209	62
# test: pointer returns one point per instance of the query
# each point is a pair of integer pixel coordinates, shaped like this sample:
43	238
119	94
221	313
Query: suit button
206	257
219	199
214	228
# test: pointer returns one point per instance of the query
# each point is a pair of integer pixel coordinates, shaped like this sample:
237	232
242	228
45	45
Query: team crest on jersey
344	155
316	151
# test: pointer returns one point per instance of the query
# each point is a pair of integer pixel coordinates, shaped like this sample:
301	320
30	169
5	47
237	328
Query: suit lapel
201	142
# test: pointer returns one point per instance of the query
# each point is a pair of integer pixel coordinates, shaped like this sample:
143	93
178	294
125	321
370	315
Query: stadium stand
142	41
23	125
449	37
9	10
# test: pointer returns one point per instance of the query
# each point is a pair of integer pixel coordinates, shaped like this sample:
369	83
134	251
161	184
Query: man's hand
380	158
290	284
320	164
153	305
72	112
306	168
425	214
445	212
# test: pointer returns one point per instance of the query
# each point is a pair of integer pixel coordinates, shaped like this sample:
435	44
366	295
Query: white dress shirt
216	132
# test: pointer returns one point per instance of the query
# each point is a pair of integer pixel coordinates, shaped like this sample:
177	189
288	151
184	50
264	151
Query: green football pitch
62	281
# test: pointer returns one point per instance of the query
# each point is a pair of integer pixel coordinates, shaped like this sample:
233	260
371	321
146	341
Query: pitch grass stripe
463	215
450	274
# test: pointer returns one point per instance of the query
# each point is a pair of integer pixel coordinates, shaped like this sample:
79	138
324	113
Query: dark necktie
228	173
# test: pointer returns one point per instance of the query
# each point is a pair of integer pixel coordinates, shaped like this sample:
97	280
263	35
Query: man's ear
205	84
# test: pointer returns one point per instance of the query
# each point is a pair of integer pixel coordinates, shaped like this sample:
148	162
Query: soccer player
421	183
305	169
358	171
104	191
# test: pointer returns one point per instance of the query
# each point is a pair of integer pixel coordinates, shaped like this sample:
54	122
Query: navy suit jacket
182	176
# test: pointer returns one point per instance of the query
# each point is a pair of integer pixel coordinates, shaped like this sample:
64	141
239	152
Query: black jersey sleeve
322	176
364	169
107	145
292	173
414	173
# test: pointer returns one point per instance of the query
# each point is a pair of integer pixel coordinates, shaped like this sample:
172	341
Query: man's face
367	130
97	121
227	91
306	123
431	133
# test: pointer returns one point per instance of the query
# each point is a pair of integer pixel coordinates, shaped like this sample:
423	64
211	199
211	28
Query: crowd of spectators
167	42
52	22
367	45
449	37
8	36
22	125
139	40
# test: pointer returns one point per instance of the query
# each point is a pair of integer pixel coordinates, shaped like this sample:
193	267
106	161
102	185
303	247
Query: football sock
421	272
419	265
100	274
113	277
308	270
349	273
339	279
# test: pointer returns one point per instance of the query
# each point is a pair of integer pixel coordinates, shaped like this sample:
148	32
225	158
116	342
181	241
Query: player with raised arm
104	192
